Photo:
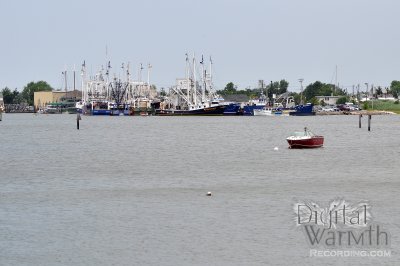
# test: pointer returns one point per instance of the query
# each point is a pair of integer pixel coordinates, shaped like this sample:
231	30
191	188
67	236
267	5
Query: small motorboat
305	139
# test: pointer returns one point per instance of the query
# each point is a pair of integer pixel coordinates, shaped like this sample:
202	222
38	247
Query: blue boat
101	112
256	104
233	109
303	110
249	109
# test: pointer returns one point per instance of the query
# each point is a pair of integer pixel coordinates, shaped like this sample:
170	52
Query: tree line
317	88
26	96
277	87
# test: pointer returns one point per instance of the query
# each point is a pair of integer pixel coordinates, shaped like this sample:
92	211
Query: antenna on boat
203	73
195	80
211	63
149	66
65	80
74	78
187	80
83	77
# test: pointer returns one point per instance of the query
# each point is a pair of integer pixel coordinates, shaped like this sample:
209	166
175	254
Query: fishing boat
53	108
103	94
233	109
100	108
255	104
305	139
303	110
267	111
193	95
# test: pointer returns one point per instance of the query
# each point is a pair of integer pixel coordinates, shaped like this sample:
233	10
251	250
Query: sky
248	40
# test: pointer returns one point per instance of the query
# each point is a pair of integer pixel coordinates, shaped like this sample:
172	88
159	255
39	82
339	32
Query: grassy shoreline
383	105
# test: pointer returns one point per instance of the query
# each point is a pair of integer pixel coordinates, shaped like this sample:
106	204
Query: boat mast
74	78
65	80
128	81
187	80
149	66
211	70
210	85
108	94
140	79
195	81
203	91
83	77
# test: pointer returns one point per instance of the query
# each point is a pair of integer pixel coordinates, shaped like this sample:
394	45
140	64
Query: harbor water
133	190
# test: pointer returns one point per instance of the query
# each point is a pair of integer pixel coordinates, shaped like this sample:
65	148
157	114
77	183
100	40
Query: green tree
319	89
314	101
11	97
230	88
342	100
296	97
17	97
395	88
378	91
283	86
32	87
8	96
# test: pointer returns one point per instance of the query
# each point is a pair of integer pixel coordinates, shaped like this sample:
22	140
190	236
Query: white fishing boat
106	95
194	95
53	108
267	111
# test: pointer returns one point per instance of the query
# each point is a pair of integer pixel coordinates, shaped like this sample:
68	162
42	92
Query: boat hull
101	112
208	111
249	109
301	113
303	110
306	143
233	109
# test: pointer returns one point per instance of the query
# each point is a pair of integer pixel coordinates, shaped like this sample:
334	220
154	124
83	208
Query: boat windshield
306	132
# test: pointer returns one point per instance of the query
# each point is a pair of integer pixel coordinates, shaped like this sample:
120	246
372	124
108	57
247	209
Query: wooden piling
369	122
78	117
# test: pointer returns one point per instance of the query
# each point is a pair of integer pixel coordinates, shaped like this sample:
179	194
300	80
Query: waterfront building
42	98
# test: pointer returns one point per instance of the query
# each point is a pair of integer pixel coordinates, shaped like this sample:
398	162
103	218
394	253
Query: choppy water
132	190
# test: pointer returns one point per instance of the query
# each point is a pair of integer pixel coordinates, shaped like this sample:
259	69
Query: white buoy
208	193
276	149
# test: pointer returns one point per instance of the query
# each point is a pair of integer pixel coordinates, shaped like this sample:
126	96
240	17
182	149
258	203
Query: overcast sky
247	39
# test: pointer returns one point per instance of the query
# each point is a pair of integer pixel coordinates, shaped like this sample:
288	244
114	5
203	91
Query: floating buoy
208	193
276	149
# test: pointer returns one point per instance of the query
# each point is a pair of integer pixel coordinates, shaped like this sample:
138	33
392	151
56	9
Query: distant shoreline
362	112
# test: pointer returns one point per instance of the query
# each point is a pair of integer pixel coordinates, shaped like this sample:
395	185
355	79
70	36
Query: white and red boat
305	139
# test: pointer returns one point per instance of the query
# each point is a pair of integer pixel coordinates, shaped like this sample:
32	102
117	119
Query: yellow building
43	98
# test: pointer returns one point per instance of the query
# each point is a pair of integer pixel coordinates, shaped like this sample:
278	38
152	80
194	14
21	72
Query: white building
329	100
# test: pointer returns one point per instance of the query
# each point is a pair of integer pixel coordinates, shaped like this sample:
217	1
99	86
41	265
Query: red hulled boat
305	139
